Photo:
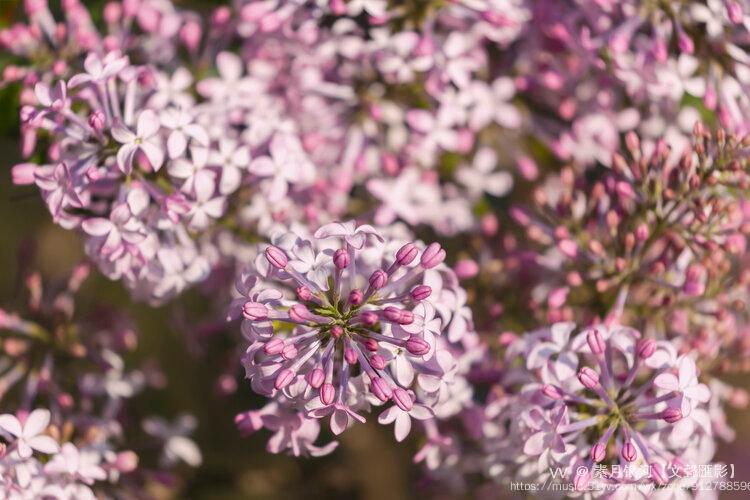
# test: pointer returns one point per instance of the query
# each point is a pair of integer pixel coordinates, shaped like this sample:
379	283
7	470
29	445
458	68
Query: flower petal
667	381
402	427
36	422
10	423
44	444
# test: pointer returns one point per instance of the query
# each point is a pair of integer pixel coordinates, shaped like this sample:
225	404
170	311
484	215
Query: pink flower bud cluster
347	321
648	234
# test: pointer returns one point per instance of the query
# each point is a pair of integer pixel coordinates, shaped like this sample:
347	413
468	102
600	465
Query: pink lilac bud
568	248
112	12
274	346
407	318
489	225
739	398
371	345
289	351
283	379
629	452
96	121
130	7
226	384
221	16
390	164
338	7
327	394
595	341
557	297
378	279
377	361
417	346
356	297
299	313
694	285
641	232
421	292
337	332
588	377
126	461
402	399
407	254
378	20
734	11
316	377
24	174
380	389
376	113
466	269
66	400
255	311
672	415
304	293
11	73
392	314
190	35
432	256
341	258
645	348
598	452
685	43
528	168
350	355
276	257
552	392
369	318
658	474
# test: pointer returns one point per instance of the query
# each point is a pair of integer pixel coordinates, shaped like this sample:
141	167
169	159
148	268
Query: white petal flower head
28	434
686	383
145	140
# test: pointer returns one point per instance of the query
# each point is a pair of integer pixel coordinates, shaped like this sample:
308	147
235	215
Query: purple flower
145	140
342	344
593	398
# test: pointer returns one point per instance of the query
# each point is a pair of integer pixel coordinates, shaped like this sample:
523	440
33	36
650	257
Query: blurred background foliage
369	464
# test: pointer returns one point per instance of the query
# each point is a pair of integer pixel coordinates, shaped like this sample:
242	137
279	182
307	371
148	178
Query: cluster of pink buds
650	233
345	321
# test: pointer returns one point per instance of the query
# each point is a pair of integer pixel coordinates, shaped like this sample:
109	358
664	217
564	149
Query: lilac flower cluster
605	395
655	241
355	322
599	69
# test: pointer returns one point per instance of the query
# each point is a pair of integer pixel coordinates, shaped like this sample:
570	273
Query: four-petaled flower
29	433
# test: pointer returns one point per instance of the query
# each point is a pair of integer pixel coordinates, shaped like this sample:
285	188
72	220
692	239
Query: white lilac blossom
66	472
587	400
344	322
